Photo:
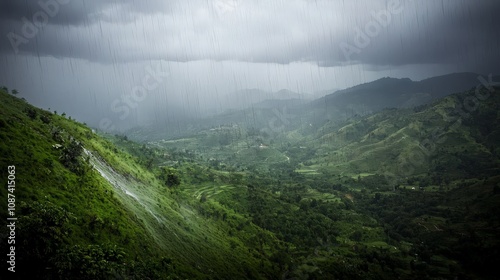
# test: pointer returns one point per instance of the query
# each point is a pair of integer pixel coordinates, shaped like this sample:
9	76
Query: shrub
170	176
31	112
71	156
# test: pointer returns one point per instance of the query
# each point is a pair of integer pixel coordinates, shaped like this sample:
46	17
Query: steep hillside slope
88	210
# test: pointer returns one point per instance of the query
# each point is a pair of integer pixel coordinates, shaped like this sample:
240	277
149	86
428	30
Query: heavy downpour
232	139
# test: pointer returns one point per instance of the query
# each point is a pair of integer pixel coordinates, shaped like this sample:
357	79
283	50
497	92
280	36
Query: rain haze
119	64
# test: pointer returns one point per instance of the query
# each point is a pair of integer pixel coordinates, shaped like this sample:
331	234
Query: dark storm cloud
77	12
326	33
48	27
438	32
64	12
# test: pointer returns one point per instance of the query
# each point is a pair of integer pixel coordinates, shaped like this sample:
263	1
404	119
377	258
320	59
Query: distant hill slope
392	93
448	139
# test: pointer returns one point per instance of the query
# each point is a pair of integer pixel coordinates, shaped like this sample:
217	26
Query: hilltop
397	93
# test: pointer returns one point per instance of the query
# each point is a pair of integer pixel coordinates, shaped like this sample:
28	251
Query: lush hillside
88	210
394	93
452	138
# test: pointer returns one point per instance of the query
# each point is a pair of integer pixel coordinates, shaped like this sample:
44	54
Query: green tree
170	176
356	236
71	156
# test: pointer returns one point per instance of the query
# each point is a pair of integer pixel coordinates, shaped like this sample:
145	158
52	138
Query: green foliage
45	118
70	156
170	176
31	112
121	137
90	262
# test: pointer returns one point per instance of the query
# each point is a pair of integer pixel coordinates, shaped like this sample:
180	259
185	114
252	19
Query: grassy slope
197	245
40	177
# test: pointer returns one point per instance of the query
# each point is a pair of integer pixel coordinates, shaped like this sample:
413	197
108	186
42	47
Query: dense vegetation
402	193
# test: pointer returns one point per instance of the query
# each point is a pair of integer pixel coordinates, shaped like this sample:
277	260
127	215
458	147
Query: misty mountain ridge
399	93
372	96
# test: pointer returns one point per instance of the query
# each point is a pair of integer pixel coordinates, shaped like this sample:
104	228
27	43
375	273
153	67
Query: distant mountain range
393	93
361	99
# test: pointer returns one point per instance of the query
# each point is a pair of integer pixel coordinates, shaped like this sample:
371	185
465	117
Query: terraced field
207	191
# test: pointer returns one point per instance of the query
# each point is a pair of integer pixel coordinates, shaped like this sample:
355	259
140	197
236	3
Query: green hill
87	209
393	93
442	141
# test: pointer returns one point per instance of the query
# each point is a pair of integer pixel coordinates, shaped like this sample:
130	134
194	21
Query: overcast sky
130	61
